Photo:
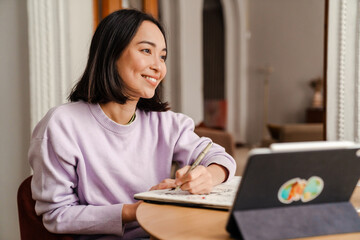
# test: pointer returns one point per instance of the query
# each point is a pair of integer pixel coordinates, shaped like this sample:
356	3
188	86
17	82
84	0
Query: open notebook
221	197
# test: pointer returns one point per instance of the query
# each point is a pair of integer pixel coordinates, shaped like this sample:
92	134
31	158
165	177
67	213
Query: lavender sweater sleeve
54	156
86	166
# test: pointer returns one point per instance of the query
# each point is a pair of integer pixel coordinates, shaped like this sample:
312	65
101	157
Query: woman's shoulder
66	110
60	114
71	107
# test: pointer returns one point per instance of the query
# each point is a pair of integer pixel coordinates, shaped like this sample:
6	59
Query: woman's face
142	63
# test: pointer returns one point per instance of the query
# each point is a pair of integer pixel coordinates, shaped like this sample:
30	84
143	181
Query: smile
149	78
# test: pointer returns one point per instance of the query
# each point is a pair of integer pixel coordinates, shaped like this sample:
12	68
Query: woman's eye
163	58
146	50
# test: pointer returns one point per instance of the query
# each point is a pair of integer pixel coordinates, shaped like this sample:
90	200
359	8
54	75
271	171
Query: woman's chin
148	95
144	95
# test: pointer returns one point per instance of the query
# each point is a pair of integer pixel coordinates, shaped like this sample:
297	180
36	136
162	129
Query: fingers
165	184
182	177
181	172
198	181
197	186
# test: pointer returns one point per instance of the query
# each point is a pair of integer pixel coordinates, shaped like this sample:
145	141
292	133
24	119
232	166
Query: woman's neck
119	113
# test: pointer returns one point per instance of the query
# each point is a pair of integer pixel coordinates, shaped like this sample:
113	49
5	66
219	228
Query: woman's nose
156	64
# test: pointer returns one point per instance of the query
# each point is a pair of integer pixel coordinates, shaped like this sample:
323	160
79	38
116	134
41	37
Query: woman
116	138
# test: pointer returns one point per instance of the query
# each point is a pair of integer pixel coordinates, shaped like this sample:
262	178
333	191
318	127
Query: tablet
290	175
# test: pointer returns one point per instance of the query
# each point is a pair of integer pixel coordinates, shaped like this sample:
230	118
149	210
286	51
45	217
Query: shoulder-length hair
101	82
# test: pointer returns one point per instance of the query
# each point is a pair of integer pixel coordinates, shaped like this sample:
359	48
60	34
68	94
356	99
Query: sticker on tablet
300	189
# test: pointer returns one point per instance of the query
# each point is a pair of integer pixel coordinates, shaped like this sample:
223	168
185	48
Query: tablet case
259	214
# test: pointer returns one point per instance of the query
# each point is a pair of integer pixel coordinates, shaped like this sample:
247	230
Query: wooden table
175	222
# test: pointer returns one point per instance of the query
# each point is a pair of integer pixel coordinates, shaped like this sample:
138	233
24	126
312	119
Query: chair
31	225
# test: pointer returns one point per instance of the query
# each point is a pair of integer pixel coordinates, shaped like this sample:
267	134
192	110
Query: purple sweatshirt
87	166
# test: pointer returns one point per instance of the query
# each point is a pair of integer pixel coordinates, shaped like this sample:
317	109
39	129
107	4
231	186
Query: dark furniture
31	225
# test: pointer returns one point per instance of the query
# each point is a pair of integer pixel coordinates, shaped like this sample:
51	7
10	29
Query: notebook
221	197
288	187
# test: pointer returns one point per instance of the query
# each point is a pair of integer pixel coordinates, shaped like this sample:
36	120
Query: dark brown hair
101	82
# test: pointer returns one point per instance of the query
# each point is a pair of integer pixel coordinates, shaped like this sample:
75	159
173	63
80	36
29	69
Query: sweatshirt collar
109	124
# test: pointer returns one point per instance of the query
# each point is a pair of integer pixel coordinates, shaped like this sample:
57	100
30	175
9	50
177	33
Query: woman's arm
54	189
219	173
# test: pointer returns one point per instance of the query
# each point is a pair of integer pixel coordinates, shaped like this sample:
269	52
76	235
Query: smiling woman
116	138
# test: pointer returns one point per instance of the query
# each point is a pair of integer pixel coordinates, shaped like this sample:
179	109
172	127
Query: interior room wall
286	35
15	114
80	32
183	83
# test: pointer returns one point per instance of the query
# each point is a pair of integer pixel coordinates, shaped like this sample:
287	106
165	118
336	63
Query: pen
197	161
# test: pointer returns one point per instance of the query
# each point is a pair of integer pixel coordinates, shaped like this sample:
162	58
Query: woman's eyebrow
151	43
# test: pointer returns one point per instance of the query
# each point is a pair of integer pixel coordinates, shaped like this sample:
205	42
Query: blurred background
252	69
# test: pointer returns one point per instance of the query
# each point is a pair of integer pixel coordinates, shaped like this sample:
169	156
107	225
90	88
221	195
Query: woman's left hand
166	183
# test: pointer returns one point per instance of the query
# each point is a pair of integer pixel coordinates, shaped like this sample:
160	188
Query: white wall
287	35
236	67
183	85
15	114
80	30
